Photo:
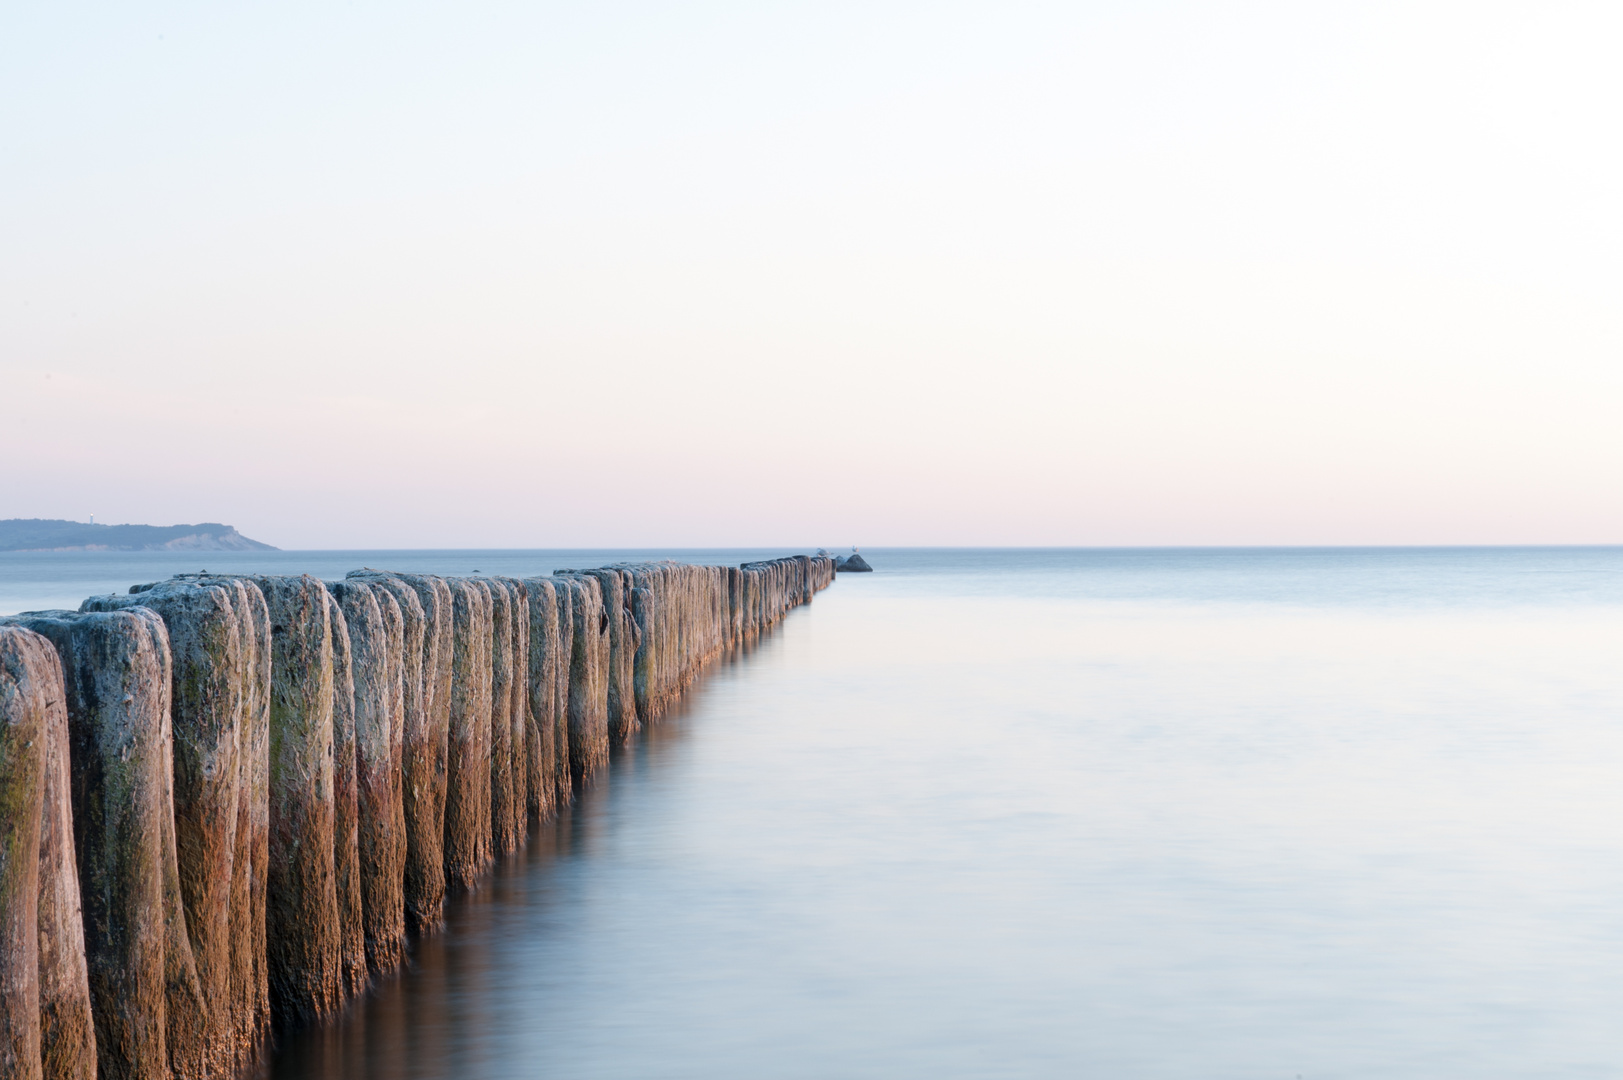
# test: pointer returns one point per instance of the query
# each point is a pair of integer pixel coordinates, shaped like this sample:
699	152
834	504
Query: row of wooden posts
225	801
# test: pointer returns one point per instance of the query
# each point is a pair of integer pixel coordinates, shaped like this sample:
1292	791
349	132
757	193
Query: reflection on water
456	1011
1101	814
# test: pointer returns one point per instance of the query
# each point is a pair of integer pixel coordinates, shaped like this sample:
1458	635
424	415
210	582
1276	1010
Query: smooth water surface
1192	814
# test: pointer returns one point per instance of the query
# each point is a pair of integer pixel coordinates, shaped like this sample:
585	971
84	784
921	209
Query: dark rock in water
853	564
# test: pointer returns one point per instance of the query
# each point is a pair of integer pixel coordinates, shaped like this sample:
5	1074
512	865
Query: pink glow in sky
719	273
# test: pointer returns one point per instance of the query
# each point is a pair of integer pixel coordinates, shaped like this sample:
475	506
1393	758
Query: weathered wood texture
588	679
346	807
504	807
46	1024
118	685
563	782
541	717
467	798
425	604
519	713
213	641
377	649
250	990
303	934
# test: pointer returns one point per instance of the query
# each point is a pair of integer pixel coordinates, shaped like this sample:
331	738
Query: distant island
45	534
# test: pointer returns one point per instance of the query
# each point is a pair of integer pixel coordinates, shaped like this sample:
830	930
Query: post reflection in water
450	1013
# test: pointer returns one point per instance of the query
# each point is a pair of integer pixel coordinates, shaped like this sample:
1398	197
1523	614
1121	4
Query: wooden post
376	633
424	742
46	1025
467	801
346	808
303	935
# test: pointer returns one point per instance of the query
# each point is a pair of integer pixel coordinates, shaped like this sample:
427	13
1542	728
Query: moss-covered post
150	1013
467	799
563	784
520	711
209	699
621	700
31	704
423	744
376	632
346	807
504	807
303	936
588	679
46	1028
541	751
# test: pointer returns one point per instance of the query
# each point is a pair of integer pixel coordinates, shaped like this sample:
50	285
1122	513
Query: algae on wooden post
406	735
46	1028
504	817
520	712
588	679
67	1037
541	716
150	1012
249	987
376	633
303	936
30	704
621	701
467	798
563	784
423	746
208	701
346	807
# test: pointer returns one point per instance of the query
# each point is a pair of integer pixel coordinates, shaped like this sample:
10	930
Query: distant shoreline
53	534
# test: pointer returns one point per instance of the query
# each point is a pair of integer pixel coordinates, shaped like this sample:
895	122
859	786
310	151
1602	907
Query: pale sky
544	274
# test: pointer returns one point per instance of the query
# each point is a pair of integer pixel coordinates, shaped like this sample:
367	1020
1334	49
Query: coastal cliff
50	534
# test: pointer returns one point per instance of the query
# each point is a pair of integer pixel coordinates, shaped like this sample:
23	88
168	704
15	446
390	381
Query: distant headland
45	534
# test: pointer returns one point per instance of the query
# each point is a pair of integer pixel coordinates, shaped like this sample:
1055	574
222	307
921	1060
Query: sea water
1116	814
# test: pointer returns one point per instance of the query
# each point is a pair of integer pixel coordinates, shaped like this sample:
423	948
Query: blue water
1192	814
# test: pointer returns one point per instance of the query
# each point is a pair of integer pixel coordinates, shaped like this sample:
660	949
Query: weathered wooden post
541	719
346	808
504	816
46	1026
376	634
588	679
467	800
250	990
621	649
520	711
303	935
149	1010
214	631
424	744
563	781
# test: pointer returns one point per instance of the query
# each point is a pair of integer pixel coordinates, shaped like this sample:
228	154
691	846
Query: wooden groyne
225	801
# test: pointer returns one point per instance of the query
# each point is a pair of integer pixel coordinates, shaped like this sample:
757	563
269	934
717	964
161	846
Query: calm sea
1083	813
